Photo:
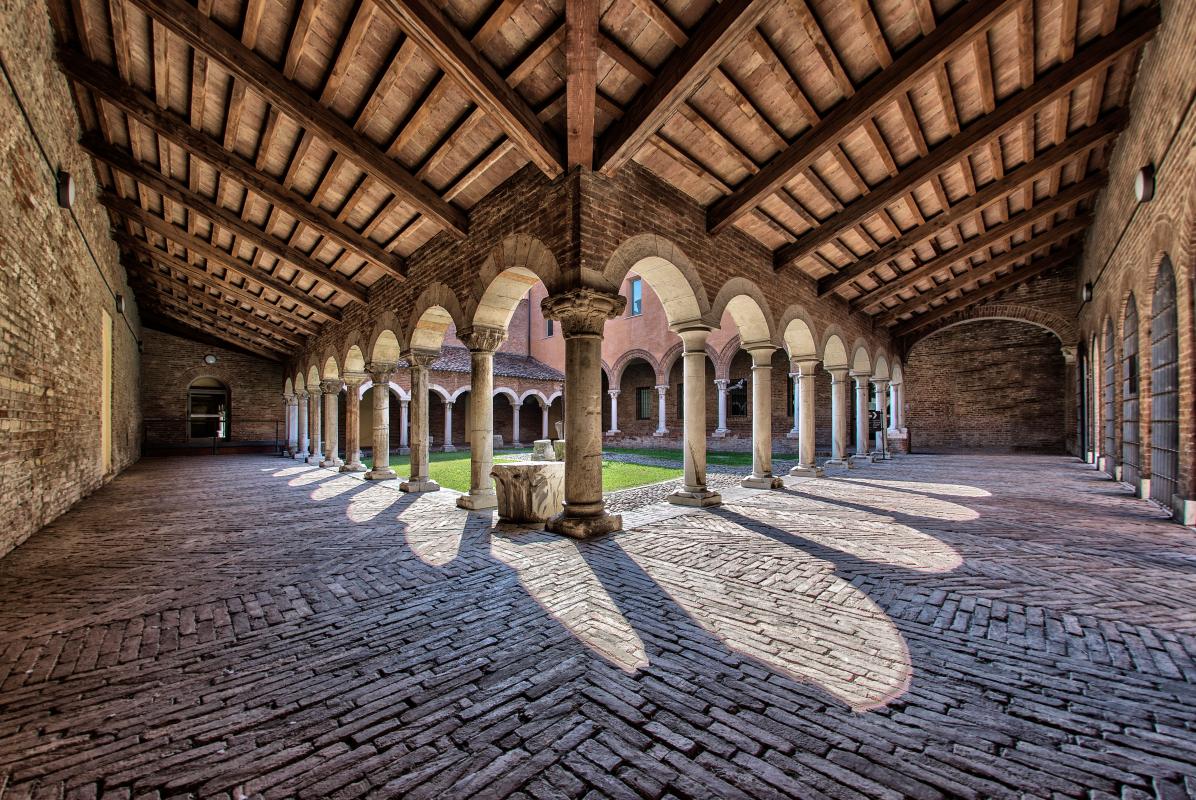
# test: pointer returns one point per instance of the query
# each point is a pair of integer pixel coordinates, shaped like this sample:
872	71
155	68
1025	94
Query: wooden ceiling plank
231	339
202	33
956	31
1138	27
581	81
719	32
1001	284
662	20
439	38
624	59
217	323
822	47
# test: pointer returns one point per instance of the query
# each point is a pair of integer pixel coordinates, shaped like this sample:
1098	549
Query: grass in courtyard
451	470
712	456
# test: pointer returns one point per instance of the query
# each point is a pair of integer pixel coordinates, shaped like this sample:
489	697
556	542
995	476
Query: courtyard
953	626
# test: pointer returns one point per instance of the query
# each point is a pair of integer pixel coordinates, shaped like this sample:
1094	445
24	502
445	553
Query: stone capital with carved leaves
482	338
582	312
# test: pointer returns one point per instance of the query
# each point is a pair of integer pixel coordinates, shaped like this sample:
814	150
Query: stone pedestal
542	450
529	492
807	472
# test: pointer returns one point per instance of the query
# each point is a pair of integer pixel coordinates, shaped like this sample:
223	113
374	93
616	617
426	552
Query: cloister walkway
936	626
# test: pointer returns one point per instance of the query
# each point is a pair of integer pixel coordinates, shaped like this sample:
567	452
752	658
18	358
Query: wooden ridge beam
207	250
984	292
175	264
1024	250
581	81
222	217
957	30
207	36
108	85
439	38
680	76
1136	29
185	291
1060	202
965	208
167	316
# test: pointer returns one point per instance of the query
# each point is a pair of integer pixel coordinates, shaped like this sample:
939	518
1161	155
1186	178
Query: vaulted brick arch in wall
1064	329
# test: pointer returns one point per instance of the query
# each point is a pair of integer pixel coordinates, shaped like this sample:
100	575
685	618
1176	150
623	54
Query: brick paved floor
954	626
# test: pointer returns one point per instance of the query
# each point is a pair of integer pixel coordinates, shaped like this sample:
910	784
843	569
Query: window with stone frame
635	297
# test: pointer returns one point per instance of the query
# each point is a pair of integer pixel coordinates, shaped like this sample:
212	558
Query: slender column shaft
289	422
882	397
544	409
661	391
614	411
795	432
313	418
516	407
381	373
721	385
861	414
353	423
403	423
695	491
839	417
482	343
807	372
301	408
331	389
448	427
418	481
762	477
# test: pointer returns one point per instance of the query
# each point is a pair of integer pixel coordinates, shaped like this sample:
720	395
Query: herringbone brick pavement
932	627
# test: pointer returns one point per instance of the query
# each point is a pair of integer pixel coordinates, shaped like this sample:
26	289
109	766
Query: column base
478	501
404	451
807	472
314	460
332	463
792	435
353	466
720	433
764	482
699	499
660	433
448	448
381	475
517	444
615	432
840	463
418	486
300	456
877	457
583	527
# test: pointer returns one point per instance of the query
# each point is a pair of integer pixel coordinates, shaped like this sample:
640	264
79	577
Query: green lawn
712	456
451	470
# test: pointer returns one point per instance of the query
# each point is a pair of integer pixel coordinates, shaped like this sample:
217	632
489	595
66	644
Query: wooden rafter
956	31
205	35
581	81
1136	29
457	57
213	322
992	193
719	32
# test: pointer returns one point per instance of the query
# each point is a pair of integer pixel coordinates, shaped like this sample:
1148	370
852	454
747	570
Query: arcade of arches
898	294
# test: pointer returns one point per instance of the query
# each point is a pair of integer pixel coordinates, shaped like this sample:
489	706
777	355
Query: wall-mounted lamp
1144	184
66	189
1086	292
209	359
120	304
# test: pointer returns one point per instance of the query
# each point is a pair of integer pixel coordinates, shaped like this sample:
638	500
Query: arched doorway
1164	386
1130	457
208	409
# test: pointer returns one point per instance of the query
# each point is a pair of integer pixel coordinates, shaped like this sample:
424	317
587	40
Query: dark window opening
207	409
739	398
643	402
547	329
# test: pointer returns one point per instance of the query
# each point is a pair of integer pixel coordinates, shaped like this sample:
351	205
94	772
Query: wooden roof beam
679	77
165	316
1060	202
130	210
439	38
207	36
956	31
581	81
1023	174
227	327
984	292
218	215
989	268
1135	30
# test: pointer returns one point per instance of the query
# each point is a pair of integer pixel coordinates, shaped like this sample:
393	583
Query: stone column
861	412
839	405
418	481
721	384
583	314
807	372
661	430
482	342
314	454
762	477
613	394
301	425
795	432
289	406
899	407
516	407
544	409
694	492
404	447
882	401
448	427
331	390
353	381
380	374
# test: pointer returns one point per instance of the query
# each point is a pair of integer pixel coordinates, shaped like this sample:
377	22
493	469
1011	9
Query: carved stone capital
805	367
1069	354
331	385
482	338
582	312
421	358
289	398
381	371
354	379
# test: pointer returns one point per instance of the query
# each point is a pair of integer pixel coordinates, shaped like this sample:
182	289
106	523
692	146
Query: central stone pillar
861	412
482	342
516	407
301	425
614	412
839	457
694	493
807	372
661	430
795	432
583	314
381	373
289	404
331	390
353	381
721	384
419	480
314	455
762	477
448	427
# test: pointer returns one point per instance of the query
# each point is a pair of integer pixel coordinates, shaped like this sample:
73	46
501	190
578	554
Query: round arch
861	359
748	307
624	360
834	353
354	359
433	313
667	270
798	335
517	264
509	393
1064	329
385	343
331	370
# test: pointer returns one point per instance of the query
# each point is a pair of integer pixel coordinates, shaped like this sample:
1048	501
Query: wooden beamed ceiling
263	169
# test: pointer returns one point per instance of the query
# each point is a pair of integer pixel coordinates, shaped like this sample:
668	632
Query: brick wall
52	297
170	364
991	385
